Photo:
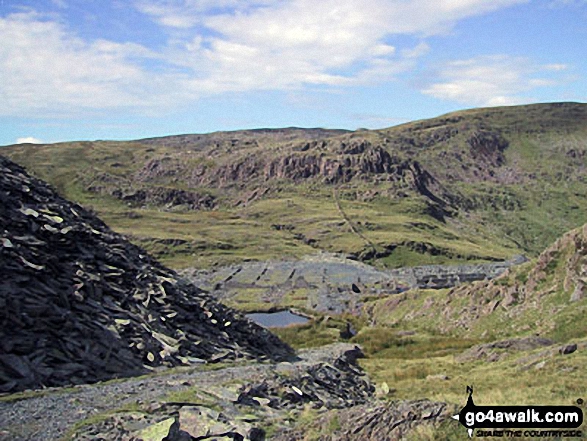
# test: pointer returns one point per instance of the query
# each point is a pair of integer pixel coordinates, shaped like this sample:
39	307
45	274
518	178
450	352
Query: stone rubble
80	304
327	380
376	421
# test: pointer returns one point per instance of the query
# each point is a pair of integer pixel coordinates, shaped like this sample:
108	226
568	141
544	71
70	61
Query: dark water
279	319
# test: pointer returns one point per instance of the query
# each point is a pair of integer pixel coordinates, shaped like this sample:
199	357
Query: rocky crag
546	296
79	303
555	282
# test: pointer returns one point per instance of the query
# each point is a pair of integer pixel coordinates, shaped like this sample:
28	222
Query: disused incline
79	303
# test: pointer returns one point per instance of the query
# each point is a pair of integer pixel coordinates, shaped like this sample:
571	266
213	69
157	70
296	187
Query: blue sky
115	69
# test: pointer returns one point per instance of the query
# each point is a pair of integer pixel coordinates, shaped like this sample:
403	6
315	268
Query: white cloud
556	67
28	140
172	17
43	69
60	3
420	50
184	14
290	43
492	80
215	47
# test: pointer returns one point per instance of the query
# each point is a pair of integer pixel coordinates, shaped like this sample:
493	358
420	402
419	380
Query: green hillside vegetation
471	186
545	297
433	343
474	185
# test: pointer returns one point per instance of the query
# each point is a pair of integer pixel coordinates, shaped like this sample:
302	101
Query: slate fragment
80	304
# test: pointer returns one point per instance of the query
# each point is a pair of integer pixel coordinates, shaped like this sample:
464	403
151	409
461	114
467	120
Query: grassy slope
446	323
542	202
525	214
413	340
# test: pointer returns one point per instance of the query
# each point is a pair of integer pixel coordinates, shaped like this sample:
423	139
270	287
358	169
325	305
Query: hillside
79	303
519	338
481	184
545	297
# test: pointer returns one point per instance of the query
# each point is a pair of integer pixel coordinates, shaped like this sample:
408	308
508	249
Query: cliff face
79	303
330	162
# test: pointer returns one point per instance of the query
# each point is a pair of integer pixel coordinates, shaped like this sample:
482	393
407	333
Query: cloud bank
224	46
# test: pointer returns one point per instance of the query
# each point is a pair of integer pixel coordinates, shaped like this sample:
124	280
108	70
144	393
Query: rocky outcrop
562	267
168	197
137	196
488	147
79	303
375	422
545	296
448	276
497	350
329	162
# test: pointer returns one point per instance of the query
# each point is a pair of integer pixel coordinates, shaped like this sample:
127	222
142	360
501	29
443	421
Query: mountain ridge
507	179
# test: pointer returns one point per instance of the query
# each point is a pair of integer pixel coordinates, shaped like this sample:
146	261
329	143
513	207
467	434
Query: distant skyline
116	69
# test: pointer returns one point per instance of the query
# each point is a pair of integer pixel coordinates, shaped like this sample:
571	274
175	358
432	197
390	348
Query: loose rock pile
242	402
375	421
333	384
79	303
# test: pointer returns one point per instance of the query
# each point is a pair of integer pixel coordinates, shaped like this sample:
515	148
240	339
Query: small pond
279	319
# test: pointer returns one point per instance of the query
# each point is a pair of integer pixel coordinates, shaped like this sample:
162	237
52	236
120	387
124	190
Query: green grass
237	231
313	334
319	331
438	377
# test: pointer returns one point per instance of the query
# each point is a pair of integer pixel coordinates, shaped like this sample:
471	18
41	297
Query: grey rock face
333	284
447	276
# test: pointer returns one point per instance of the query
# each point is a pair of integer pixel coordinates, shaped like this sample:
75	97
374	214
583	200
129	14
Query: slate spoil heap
80	304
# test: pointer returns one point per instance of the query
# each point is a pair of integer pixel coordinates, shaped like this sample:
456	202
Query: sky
116	69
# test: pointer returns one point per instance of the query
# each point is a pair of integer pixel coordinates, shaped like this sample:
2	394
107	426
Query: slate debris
335	384
80	304
374	421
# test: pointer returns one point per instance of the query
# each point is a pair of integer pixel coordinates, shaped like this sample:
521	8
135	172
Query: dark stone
568	349
336	384
256	434
80	304
348	332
